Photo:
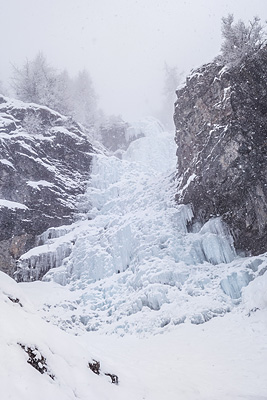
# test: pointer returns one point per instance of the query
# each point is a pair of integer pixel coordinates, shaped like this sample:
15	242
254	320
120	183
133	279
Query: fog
123	43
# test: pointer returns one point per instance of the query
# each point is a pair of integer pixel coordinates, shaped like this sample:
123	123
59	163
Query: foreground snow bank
60	368
224	359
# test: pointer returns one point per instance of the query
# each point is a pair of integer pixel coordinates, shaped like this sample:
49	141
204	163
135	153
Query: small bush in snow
95	368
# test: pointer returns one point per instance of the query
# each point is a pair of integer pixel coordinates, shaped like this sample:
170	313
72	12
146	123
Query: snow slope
224	359
132	267
66	374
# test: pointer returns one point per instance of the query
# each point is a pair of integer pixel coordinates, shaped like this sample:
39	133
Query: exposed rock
44	164
95	368
221	133
15	300
37	360
114	378
116	134
113	133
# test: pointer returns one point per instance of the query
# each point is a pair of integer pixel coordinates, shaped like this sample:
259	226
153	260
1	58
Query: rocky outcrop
44	164
221	133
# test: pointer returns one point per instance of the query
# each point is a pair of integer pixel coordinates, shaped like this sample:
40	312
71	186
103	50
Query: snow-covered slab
11	104
6	162
5	121
64	131
12	204
36	184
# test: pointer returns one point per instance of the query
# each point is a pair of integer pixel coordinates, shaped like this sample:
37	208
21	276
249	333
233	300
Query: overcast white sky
122	43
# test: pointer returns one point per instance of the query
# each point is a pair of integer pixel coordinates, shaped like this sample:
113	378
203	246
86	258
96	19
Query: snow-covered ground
136	291
225	359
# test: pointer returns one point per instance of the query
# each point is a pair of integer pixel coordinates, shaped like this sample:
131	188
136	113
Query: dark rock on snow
44	164
221	133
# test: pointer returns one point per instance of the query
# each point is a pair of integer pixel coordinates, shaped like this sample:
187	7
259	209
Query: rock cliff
44	163
221	133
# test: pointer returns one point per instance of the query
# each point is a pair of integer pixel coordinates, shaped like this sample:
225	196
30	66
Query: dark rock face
113	134
45	160
116	134
221	133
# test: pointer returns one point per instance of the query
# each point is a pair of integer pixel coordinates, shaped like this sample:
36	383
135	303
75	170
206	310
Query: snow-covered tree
35	82
32	123
84	99
39	83
2	89
63	99
171	80
240	40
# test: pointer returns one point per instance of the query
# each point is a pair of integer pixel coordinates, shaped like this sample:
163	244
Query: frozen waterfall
131	252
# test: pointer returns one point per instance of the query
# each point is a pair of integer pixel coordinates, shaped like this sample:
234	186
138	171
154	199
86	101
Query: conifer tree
240	40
